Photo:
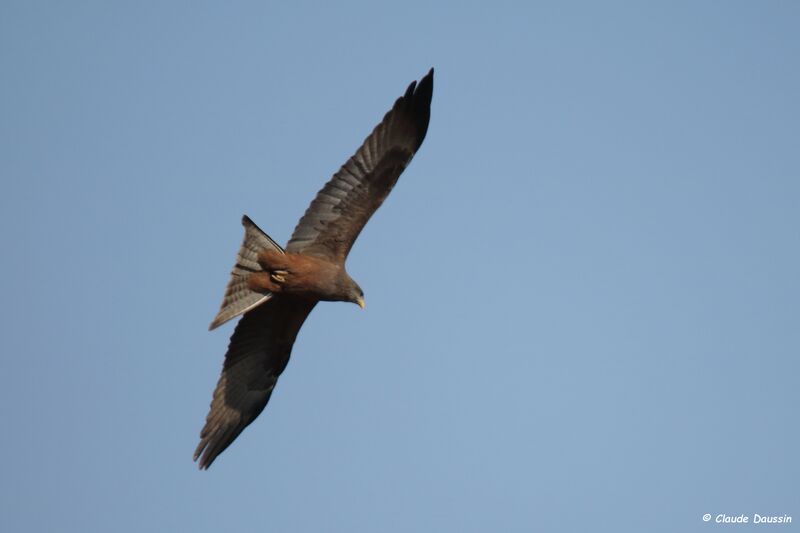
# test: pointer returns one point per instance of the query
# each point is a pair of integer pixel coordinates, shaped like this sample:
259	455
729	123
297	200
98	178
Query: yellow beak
360	302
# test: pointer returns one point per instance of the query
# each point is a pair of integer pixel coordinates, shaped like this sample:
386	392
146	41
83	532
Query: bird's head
348	290
356	295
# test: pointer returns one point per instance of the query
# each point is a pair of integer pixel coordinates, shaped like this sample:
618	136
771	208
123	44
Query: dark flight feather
342	208
257	354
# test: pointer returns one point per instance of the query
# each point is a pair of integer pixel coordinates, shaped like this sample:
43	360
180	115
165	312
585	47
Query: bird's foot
279	275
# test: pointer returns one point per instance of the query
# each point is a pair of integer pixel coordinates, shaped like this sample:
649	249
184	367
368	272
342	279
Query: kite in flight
277	288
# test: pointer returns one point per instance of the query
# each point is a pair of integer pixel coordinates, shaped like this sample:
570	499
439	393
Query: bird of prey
276	288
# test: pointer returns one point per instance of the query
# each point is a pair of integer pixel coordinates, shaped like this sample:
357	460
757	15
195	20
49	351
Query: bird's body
302	276
276	289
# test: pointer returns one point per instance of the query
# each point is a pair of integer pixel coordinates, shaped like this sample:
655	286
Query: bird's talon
279	275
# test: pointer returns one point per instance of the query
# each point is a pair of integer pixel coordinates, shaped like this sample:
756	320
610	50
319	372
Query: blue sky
582	296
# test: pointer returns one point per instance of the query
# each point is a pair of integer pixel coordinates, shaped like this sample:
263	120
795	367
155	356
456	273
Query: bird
276	288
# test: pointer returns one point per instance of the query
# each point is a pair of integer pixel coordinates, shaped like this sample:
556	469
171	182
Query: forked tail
239	298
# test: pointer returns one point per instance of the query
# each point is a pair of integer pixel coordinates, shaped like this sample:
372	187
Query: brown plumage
276	289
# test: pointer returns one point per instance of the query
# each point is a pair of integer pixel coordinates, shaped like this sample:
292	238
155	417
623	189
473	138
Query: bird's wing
340	210
257	354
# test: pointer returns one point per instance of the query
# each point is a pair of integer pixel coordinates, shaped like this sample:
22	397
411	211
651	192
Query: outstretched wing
257	354
341	209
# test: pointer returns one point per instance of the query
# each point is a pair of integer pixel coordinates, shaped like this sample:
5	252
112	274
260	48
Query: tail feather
239	298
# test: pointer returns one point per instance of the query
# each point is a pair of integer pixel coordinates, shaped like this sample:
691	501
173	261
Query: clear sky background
583	301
